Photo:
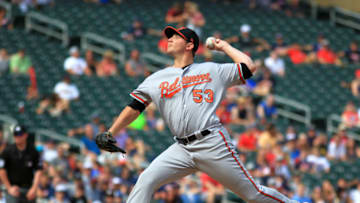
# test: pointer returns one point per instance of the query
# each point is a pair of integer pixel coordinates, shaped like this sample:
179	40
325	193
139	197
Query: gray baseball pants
214	155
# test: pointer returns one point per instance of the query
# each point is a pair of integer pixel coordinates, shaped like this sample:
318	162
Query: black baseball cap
188	34
19	130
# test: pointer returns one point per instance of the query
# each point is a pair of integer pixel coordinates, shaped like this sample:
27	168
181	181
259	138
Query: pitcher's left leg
223	164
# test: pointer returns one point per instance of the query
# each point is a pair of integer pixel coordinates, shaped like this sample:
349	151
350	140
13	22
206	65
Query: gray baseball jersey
187	99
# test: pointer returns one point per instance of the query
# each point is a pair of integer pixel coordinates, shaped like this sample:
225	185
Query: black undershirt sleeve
245	70
136	105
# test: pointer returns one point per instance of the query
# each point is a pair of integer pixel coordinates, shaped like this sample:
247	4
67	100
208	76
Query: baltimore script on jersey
169	90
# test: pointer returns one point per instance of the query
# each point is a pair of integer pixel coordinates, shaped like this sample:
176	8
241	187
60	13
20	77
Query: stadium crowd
274	158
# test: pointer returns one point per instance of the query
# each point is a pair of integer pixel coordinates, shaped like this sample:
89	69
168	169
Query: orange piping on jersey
240	74
137	97
198	83
244	171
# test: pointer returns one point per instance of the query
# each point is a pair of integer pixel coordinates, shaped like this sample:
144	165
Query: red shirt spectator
247	140
350	117
325	54
206	179
162	44
223	114
296	55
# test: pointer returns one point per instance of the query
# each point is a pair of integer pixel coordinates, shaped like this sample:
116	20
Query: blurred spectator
300	195
94	124
296	54
350	117
270	137
43	3
60	194
355	84
190	190
45	191
293	8
318	44
49	152
88	140
248	140
267	110
223	114
107	65
5	22
247	42
244	113
275	64
290	133
341	190
90	61
264	84
135	66
162	44
195	19
175	14
24	5
350	149
20	63
79	196
137	30
212	189
4	61
152	122
336	148
74	64
319	163
328	192
326	56
48	104
32	90
352	54
316	196
279	45
66	92
311	136
355	194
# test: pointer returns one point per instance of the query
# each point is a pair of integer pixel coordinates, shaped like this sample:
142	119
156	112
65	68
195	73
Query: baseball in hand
210	42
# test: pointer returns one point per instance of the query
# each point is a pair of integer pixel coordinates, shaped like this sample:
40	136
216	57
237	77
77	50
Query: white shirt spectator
320	162
76	65
355	195
275	65
336	150
66	91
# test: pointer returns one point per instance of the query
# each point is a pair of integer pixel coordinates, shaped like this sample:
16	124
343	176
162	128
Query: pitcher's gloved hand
107	142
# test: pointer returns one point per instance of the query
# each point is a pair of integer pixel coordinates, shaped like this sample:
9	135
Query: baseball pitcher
187	95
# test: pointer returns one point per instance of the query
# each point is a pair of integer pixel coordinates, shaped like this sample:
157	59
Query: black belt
192	137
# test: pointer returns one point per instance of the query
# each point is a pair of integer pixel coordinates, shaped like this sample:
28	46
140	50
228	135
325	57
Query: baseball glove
106	141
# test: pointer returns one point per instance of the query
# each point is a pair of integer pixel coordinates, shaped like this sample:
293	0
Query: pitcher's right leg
174	163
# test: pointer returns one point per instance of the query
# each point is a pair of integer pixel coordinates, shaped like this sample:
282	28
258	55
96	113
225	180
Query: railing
99	44
7	6
332	126
293	110
155	62
48	26
40	134
345	17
